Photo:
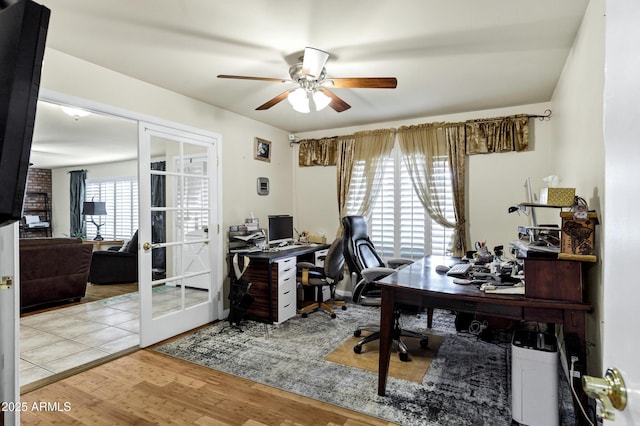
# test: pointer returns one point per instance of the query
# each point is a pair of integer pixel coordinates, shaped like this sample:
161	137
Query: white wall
578	148
495	181
60	194
71	76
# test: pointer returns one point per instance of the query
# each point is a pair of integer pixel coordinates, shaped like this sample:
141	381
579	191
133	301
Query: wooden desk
272	275
419	284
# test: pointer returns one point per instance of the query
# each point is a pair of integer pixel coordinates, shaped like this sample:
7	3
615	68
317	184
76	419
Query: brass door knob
610	391
146	246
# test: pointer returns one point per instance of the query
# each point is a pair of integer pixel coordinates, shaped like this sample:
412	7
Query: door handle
148	246
610	391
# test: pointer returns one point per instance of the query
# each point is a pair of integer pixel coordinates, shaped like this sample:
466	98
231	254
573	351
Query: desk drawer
505	311
286	265
287	297
287	311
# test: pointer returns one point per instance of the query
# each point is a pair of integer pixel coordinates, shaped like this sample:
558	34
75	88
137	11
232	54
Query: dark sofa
53	270
115	266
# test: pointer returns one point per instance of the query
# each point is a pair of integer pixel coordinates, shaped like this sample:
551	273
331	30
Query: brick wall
38	181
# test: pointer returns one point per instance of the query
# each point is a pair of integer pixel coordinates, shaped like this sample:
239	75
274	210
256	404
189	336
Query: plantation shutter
399	225
196	195
121	198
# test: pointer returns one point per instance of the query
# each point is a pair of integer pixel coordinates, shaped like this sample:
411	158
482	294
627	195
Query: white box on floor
534	379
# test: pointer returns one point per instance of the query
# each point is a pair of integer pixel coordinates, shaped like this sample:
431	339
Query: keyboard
289	247
459	269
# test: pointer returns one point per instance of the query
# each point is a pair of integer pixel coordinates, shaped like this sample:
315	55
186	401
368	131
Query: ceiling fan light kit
312	93
74	112
302	102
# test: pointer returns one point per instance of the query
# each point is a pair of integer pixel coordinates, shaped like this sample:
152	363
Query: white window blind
196	194
399	226
121	198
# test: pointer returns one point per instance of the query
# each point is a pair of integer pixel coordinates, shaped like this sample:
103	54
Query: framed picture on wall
262	150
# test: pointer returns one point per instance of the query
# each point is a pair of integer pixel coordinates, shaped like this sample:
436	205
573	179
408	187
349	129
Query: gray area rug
468	382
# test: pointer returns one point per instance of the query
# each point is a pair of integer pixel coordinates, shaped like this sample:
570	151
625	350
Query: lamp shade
321	100
299	100
94	208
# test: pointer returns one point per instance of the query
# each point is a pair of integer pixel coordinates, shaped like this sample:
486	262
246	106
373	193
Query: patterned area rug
467	383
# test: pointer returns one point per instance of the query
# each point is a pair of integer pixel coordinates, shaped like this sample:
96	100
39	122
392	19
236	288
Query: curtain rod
545	116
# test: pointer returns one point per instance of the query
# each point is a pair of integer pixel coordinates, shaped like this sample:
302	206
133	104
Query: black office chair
319	277
366	267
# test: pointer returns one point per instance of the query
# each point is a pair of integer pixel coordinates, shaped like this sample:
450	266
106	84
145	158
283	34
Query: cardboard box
578	235
557	196
319	239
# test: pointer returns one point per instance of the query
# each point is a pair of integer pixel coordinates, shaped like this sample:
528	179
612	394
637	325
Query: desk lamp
95	208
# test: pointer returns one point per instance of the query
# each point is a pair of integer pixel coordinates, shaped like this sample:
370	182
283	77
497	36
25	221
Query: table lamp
95	208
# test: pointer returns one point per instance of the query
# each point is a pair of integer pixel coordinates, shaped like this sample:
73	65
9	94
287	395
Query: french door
179	251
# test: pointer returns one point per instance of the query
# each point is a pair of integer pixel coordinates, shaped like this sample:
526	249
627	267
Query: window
121	198
399	226
194	189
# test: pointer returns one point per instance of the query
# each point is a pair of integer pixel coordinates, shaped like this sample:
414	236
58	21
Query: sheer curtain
455	134
370	148
421	147
77	187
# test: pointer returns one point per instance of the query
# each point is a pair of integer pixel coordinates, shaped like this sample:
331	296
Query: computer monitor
280	229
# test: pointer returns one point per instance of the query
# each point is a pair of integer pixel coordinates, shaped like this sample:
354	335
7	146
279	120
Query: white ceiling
448	56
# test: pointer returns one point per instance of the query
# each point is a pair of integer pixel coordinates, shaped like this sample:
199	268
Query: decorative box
557	196
319	239
578	235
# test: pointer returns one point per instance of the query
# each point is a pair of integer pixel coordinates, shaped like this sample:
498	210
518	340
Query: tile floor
56	341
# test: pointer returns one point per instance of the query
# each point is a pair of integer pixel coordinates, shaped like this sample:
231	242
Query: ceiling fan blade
273	101
313	62
244	77
336	103
363	83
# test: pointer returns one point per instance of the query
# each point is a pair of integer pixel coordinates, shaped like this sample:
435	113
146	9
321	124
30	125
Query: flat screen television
280	229
23	33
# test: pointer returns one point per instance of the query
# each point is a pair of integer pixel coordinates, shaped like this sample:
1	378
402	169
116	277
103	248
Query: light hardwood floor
147	388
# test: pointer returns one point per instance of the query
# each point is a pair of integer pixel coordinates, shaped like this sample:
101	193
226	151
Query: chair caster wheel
424	343
357	349
357	333
404	357
305	315
333	316
344	308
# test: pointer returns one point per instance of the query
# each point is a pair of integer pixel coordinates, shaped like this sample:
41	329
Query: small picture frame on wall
262	150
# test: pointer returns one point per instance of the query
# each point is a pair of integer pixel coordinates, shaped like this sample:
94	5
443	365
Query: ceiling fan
312	91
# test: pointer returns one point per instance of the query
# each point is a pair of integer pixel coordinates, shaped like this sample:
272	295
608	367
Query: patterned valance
483	136
497	134
318	152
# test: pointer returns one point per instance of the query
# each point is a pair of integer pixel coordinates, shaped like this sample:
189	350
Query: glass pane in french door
180	213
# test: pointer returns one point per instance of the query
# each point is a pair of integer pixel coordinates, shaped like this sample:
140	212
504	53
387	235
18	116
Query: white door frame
10	324
65	99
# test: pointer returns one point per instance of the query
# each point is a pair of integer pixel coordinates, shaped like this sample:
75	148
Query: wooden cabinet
274	282
283	289
553	279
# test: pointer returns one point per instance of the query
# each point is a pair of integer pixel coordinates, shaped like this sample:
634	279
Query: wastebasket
534	378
